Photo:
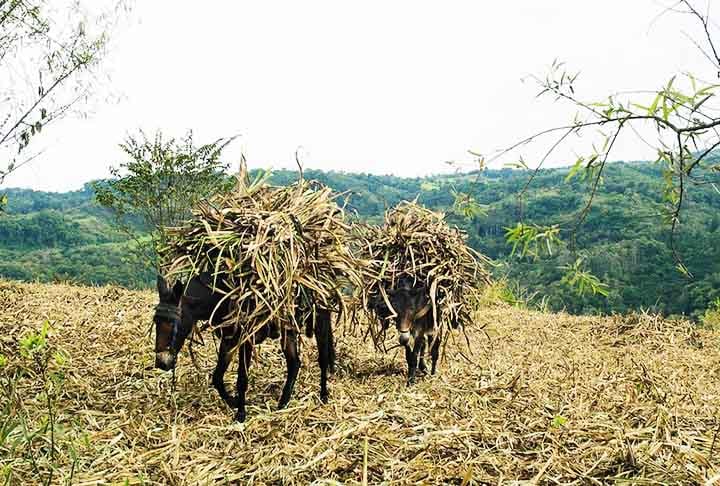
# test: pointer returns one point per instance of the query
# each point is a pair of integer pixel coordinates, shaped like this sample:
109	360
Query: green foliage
623	245
532	240
512	293
683	114
34	342
36	372
465	205
158	185
711	318
578	278
44	229
558	421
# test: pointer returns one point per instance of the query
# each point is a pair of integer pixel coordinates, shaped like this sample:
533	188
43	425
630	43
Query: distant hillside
50	236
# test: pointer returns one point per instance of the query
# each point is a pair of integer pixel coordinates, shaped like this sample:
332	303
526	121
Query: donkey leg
434	353
323	336
224	357
289	343
421	356
245	355
411	356
411	359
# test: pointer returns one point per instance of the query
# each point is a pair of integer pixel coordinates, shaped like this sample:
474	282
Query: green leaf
652	109
558	421
60	358
466	206
702	101
670	83
574	169
582	281
532	239
684	270
707	89
642	107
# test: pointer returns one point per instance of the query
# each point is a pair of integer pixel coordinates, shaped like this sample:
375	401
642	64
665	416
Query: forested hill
52	236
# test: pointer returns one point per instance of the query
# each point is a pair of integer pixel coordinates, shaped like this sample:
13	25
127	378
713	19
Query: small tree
49	55
158	186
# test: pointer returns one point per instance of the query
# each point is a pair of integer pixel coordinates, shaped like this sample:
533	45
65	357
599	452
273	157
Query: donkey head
410	301
171	326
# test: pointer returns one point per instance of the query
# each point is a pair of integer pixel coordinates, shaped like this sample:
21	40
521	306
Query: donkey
414	323
182	306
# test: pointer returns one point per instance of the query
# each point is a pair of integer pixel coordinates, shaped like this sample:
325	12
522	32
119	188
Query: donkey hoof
229	400
240	417
324	397
283	403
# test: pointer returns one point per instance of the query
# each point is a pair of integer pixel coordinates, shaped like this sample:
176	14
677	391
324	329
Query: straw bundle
418	243
270	250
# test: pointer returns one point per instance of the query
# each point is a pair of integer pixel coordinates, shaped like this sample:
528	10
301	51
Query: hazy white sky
376	86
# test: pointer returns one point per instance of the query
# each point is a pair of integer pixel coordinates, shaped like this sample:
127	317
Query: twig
299	164
586	209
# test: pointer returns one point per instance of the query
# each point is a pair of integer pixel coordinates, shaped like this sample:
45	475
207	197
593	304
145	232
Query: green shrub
711	318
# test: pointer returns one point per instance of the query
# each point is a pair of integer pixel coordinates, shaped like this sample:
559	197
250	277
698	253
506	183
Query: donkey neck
200	300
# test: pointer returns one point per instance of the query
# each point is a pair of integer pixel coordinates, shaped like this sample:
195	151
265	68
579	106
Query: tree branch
586	209
32	108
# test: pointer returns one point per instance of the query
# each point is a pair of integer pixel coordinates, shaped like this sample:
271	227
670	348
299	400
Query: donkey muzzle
404	338
165	360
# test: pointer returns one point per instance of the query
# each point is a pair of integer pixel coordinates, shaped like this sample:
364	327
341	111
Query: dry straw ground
549	399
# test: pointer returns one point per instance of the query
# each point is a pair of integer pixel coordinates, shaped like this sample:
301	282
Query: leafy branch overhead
466	206
532	240
49	55
679	121
582	281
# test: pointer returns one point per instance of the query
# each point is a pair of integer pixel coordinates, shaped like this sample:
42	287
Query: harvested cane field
546	399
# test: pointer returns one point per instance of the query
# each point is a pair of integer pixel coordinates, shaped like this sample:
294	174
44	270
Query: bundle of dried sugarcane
270	250
418	243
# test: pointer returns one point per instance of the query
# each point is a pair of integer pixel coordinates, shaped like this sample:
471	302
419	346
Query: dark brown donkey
414	322
178	312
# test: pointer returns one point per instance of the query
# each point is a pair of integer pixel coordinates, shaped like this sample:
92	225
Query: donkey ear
162	286
178	290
